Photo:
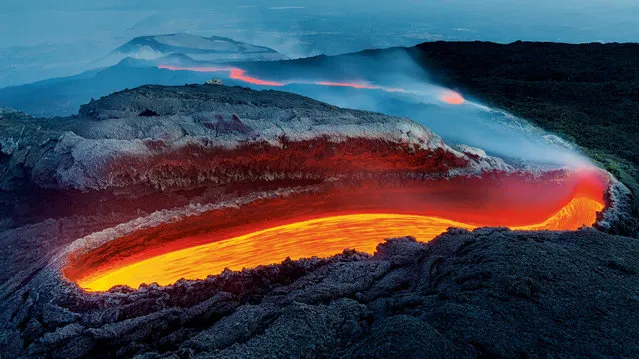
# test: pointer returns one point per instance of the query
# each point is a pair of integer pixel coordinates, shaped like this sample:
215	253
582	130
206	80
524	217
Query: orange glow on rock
452	98
326	223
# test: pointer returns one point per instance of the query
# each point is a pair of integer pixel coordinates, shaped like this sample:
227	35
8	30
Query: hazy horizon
44	39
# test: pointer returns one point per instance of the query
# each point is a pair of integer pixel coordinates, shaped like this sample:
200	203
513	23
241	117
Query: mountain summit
211	49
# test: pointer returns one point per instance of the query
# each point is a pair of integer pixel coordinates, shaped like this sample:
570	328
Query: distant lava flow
448	96
234	73
452	98
325	222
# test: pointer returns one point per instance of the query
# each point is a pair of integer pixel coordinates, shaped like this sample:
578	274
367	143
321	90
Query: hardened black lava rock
487	293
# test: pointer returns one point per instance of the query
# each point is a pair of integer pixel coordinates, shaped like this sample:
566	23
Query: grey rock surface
83	152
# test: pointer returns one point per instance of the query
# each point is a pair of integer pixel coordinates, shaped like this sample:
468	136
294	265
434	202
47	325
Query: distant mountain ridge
211	49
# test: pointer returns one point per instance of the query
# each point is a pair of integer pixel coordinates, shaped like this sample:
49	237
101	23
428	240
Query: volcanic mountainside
587	93
158	183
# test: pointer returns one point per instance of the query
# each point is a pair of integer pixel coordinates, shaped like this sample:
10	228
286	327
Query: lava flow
448	96
323	224
234	73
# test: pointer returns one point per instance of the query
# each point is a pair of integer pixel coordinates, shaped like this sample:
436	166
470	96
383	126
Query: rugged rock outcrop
206	137
197	125
487	293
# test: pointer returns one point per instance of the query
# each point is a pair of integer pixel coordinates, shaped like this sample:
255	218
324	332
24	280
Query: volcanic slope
82	152
588	93
136	172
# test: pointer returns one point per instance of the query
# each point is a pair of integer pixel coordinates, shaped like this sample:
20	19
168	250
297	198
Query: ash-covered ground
153	153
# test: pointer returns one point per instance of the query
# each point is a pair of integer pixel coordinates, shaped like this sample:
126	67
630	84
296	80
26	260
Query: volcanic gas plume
399	85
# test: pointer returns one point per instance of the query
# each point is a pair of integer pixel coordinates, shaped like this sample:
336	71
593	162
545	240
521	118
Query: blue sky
25	23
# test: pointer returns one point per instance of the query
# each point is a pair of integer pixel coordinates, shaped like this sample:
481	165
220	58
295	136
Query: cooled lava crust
230	172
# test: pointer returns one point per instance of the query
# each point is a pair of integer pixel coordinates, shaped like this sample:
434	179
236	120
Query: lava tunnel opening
356	214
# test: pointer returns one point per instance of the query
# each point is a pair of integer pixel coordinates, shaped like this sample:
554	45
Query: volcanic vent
269	175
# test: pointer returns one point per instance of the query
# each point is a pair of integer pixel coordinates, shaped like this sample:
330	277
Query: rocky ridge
213	49
82	152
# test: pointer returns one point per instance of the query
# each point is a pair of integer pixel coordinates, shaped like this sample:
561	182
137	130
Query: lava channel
325	223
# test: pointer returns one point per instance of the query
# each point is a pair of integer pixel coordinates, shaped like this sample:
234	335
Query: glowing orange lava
324	224
357	214
452	98
320	237
239	74
449	96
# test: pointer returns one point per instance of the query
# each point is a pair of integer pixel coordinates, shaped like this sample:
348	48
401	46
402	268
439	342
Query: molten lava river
325	223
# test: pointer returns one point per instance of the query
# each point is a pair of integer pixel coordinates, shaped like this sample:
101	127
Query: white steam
497	132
